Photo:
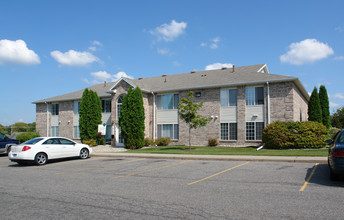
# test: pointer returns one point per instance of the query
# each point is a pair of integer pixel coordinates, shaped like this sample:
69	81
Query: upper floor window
76	108
254	95
119	105
168	101
54	109
228	97
106	105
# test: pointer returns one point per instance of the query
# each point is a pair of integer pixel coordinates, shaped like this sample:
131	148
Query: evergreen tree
90	115
314	108
325	106
188	112
132	119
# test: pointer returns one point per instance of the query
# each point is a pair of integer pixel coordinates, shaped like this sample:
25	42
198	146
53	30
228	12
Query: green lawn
230	151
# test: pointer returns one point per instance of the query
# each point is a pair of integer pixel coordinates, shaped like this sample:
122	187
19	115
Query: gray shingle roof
244	75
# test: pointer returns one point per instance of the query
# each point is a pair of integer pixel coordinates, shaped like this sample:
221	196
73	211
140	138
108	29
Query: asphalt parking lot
141	188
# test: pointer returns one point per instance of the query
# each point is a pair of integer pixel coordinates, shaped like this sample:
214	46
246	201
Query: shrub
285	135
27	136
163	141
91	142
148	142
213	142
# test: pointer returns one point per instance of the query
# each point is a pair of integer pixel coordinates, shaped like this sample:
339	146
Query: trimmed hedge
27	136
286	135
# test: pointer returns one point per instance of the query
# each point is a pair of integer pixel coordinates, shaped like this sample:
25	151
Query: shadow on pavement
322	176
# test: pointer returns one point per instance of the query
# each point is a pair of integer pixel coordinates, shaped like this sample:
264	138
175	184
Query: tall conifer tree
132	119
90	115
314	108
325	106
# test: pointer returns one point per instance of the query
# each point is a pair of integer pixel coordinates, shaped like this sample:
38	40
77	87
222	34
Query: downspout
153	121
268	102
47	119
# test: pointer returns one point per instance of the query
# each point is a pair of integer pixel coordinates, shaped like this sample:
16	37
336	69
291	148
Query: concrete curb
217	157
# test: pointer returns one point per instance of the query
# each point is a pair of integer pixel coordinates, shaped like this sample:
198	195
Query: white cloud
306	51
339	29
339	58
97	43
94	45
169	32
102	76
215	66
17	52
333	105
338	96
163	51
74	58
213	43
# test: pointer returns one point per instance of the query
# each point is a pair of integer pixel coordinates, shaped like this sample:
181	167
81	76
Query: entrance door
119	138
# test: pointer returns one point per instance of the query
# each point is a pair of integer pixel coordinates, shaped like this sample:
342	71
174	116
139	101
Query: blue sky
49	48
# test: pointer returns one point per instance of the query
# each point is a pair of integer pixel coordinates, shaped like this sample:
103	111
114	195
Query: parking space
153	188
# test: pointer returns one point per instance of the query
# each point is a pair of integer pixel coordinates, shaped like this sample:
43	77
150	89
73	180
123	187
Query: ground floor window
76	132
229	131
168	130
254	130
54	131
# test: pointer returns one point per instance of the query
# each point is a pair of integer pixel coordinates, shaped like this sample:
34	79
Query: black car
6	143
336	155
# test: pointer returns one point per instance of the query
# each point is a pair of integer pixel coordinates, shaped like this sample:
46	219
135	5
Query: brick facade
286	103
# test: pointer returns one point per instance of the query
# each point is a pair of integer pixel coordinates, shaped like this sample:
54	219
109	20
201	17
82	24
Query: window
76	108
106	105
168	101
54	131
254	95
168	130
55	109
229	131
65	141
76	133
254	130
228	97
119	105
52	141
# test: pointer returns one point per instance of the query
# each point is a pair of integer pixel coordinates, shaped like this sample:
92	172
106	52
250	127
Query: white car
41	149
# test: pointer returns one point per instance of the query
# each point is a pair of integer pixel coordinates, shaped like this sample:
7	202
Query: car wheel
9	150
84	153
41	159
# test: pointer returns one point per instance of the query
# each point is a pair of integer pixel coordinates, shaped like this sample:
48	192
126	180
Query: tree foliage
3	129
337	118
325	106
314	108
90	115
188	112
20	127
132	119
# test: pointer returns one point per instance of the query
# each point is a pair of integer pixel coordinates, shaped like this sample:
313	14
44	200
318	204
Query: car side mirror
329	141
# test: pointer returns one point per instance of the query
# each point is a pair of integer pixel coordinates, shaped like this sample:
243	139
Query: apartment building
240	101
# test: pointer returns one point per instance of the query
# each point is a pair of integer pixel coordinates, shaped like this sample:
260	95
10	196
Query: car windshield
33	141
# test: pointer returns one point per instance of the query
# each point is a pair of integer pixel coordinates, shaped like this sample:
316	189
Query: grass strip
232	151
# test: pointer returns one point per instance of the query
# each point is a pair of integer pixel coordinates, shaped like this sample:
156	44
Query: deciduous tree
188	112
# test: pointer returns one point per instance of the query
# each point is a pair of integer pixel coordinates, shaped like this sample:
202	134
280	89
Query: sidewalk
108	151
